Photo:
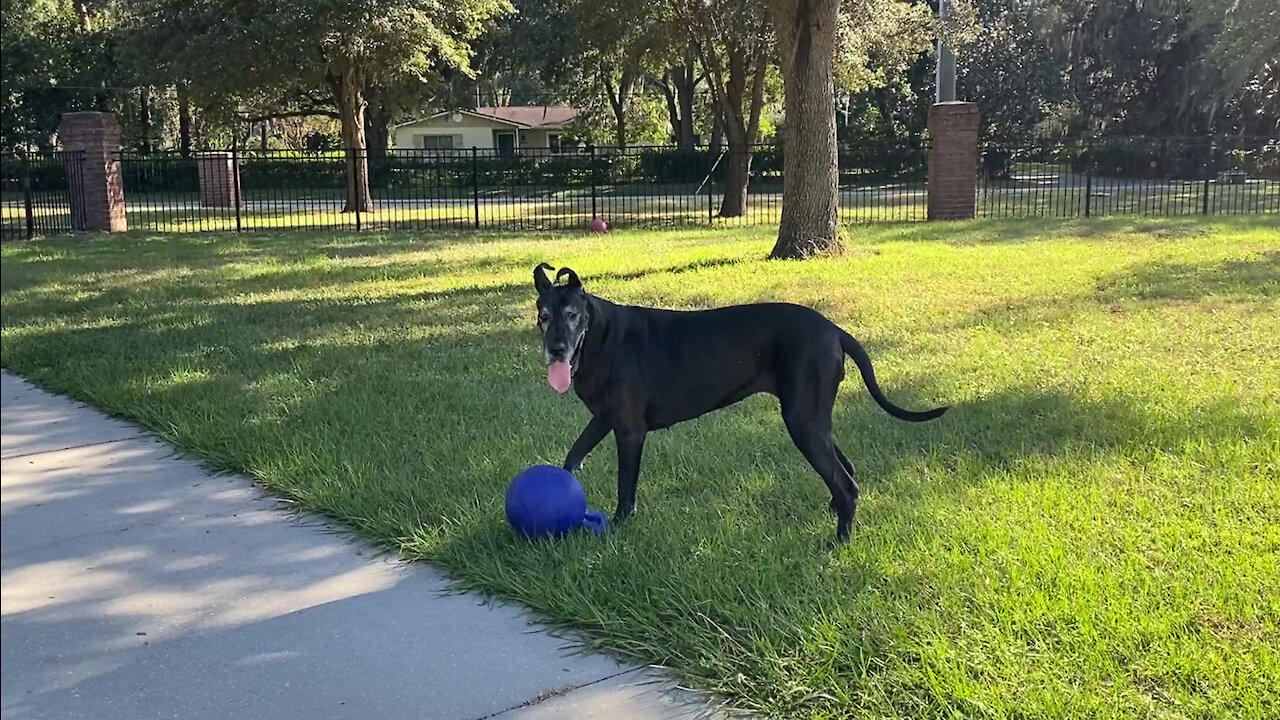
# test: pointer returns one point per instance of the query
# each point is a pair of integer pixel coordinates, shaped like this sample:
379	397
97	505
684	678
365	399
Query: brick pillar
97	197
953	160
219	181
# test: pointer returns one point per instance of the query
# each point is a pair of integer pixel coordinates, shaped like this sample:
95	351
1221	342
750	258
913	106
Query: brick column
219	181
97	197
953	160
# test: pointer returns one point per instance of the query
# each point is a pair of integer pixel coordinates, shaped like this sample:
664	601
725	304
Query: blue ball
545	501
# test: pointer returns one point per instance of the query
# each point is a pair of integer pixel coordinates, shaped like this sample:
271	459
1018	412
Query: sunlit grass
1092	532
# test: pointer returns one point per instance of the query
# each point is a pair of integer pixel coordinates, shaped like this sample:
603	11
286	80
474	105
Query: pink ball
598	225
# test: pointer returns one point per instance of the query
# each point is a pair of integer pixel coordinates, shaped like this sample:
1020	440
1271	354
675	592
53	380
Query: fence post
235	178
27	201
1204	200
96	137
591	148
1088	177
711	181
953	161
475	187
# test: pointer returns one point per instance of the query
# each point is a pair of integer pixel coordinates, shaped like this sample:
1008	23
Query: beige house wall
470	132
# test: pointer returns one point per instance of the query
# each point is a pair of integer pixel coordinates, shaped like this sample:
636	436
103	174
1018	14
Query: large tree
317	55
806	31
822	44
1010	71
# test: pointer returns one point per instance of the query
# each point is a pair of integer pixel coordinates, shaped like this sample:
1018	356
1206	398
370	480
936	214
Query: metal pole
235	178
1204	200
1088	178
945	78
26	196
711	210
592	149
475	188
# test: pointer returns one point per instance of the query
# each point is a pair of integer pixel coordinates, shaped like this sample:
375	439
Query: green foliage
878	38
52	61
1010	70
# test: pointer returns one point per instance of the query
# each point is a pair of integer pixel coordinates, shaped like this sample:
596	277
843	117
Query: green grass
1093	531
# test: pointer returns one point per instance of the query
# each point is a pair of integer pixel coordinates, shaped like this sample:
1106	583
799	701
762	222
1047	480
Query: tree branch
308	112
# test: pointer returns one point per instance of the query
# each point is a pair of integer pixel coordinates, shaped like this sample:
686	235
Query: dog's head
563	317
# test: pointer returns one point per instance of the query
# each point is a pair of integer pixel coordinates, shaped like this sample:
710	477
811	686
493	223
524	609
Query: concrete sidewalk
137	585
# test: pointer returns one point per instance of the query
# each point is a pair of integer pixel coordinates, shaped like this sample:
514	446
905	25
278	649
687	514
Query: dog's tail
853	349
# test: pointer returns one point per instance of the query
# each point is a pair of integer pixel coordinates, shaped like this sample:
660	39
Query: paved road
137	585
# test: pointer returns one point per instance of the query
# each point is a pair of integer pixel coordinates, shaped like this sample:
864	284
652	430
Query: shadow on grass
1246	279
1252	280
989	231
406	415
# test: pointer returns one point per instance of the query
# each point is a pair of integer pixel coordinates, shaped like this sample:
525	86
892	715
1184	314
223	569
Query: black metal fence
38	192
1129	175
642	186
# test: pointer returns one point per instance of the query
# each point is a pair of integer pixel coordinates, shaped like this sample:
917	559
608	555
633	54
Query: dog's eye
571	313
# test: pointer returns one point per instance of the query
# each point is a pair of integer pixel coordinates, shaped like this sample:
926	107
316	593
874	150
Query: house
506	128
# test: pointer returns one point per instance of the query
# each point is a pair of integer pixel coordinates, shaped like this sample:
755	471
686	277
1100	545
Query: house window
553	142
436	142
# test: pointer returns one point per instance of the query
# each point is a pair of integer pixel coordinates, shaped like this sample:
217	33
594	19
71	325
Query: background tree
619	42
1011	68
55	57
678	84
317	55
733	40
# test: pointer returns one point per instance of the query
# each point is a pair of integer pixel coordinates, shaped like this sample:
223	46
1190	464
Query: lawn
1093	531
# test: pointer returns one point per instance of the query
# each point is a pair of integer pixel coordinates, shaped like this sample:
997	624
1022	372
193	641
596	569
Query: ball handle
595	521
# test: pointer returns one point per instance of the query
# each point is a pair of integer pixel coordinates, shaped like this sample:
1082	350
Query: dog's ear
540	279
574	282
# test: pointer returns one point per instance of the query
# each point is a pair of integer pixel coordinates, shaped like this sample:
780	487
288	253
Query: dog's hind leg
812	436
852	477
807	390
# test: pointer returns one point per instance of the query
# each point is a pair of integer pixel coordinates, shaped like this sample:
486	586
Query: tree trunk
376	134
619	99
737	175
740	96
810	199
184	122
376	127
686	82
265	137
717	131
667	86
351	109
144	118
678	86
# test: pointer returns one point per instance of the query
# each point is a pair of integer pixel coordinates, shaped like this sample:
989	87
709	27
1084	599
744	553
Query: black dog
639	369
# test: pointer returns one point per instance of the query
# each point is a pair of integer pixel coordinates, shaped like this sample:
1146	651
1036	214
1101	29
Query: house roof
542	117
533	116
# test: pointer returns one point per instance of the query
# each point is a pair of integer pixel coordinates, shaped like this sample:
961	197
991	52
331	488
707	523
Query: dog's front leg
591	436
630	447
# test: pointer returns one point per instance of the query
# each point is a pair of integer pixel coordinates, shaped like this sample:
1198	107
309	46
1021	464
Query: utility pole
946	75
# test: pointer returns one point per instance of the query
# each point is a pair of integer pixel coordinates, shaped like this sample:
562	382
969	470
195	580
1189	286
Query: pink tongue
558	376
